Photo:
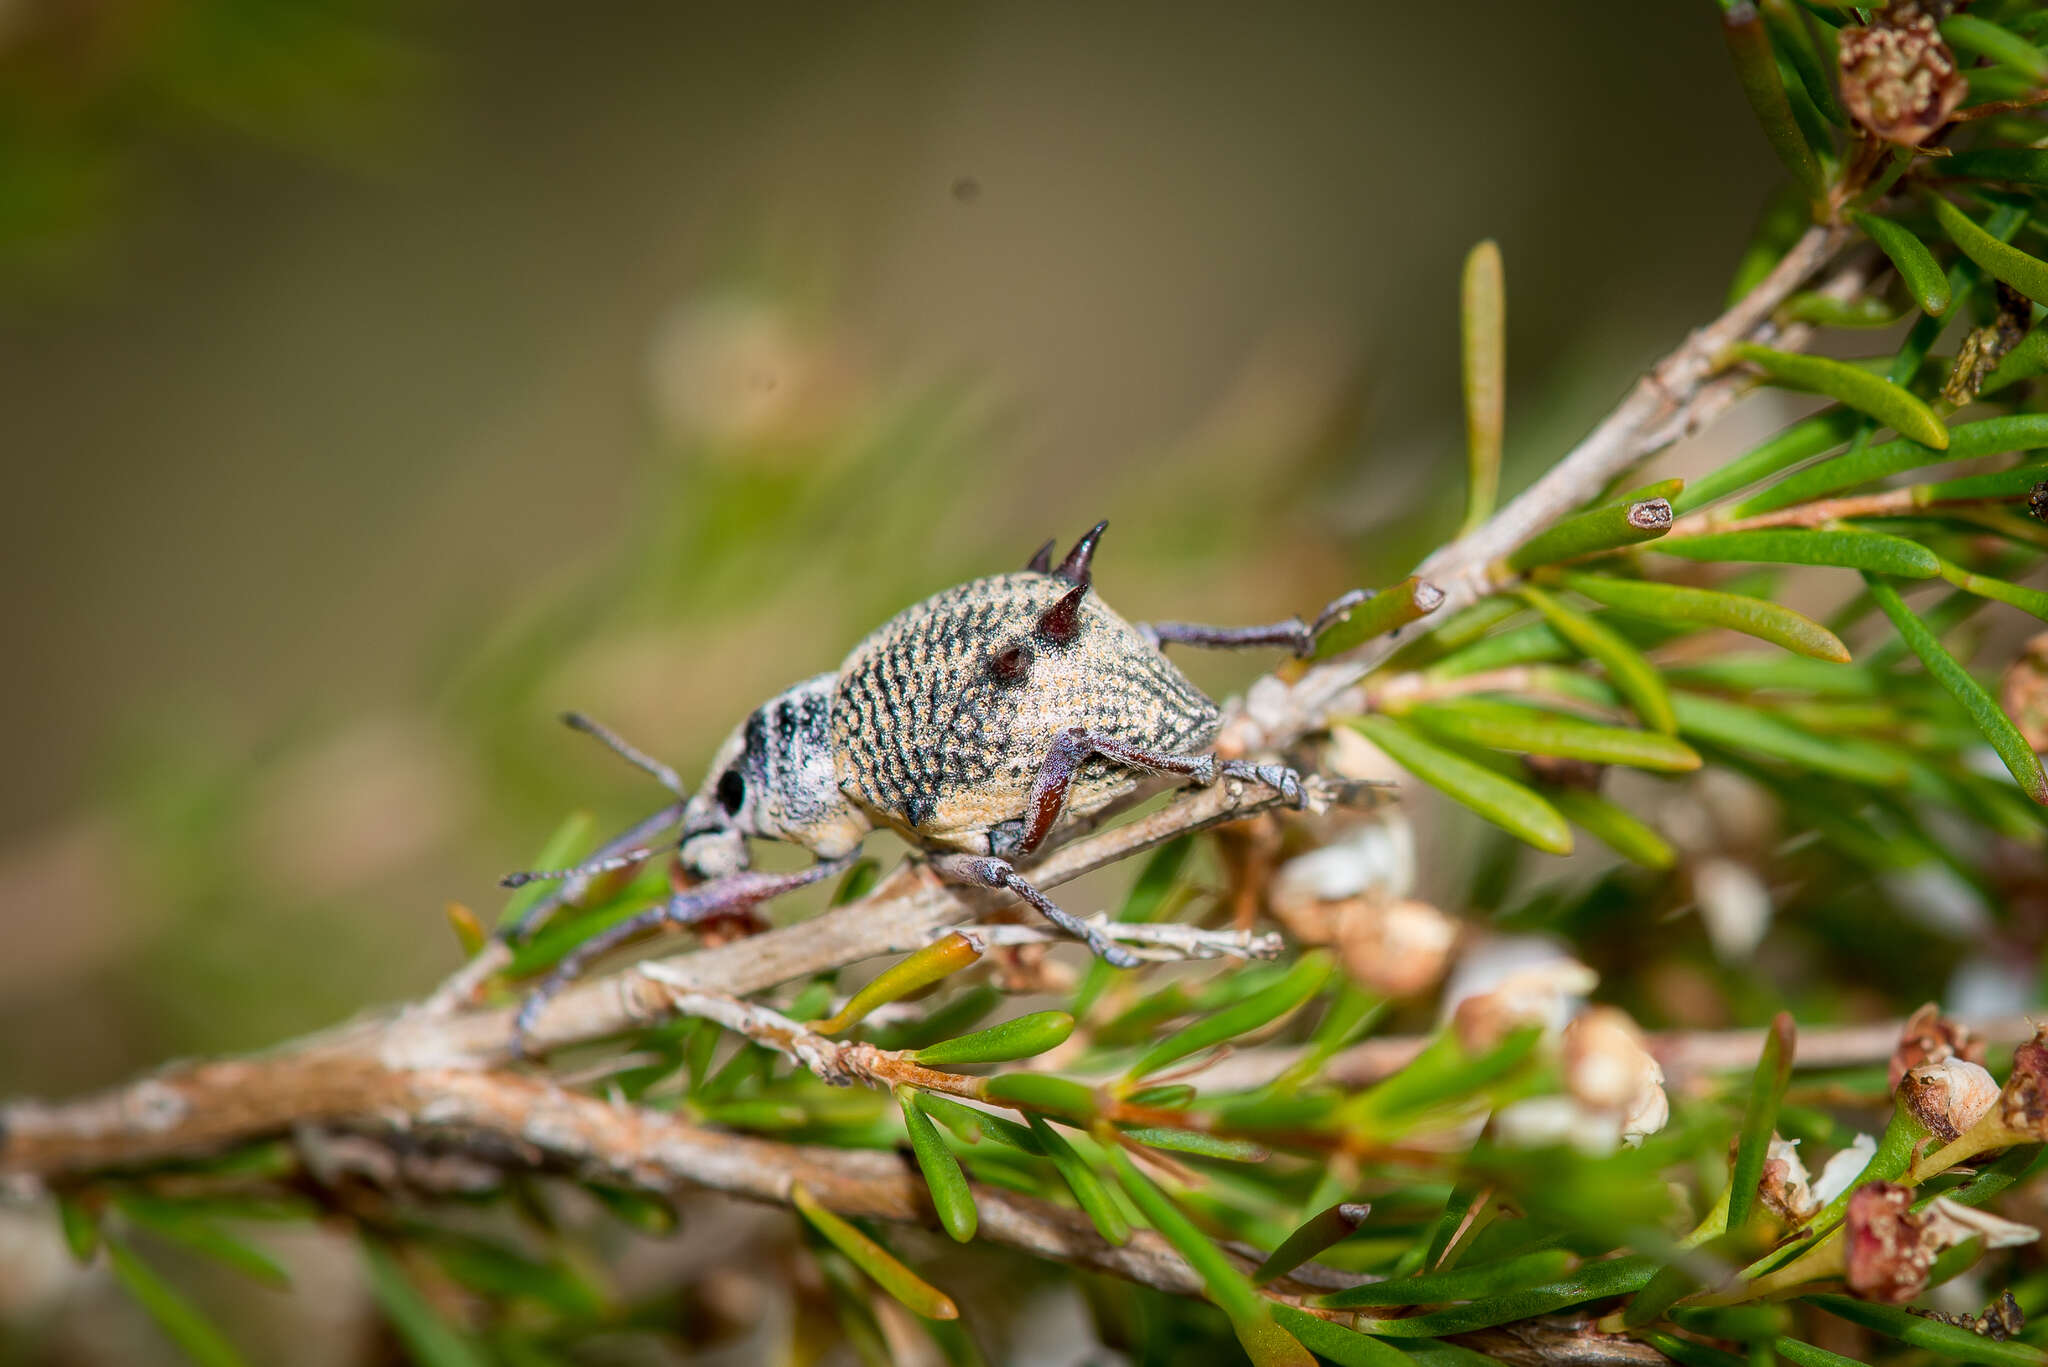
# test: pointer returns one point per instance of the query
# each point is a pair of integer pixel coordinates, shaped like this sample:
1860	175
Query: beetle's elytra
974	723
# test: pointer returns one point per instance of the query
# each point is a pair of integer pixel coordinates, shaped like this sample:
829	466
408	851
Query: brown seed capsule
1899	79
1948	1097
1887	1261
1930	1037
2023	1105
1397	949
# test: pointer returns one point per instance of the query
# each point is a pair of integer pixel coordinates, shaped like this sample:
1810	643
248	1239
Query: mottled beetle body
942	717
973	723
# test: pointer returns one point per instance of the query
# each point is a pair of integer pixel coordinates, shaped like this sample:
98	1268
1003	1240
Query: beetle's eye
732	791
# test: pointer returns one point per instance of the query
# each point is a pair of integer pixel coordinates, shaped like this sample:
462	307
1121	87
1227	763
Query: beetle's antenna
623	860
639	759
1074	569
1042	562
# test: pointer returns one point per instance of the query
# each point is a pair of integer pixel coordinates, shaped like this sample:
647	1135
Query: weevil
976	724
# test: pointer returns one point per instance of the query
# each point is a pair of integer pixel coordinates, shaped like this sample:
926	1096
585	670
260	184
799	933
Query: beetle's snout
713	845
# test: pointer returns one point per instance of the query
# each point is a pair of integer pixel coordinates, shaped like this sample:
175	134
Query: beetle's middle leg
989	871
1075	746
1295	634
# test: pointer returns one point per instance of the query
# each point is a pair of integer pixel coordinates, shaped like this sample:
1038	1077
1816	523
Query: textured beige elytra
930	737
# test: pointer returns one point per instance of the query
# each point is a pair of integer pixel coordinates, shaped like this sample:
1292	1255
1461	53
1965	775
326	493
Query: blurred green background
377	381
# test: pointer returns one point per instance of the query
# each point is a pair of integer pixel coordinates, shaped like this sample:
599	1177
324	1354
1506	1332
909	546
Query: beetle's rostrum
976	724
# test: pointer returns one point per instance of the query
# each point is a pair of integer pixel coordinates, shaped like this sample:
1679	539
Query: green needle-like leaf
1332	1225
1483	312
1845	548
81	1227
1197	1142
1758	617
1605	528
182	1223
1799	442
1896	1321
1801	1354
913	973
1743	728
1061	1096
1614	826
1021	1037
1989	718
430	1340
1760	1119
2015	165
1756	67
1348	1348
917	1294
1459	1284
180	1320
1534	731
2000	260
1226	1286
2031	601
1506	803
1632	676
1896	407
563	848
1592	1282
1262	1008
1388	610
1082	1180
2016	432
951	1197
1981	38
1924	277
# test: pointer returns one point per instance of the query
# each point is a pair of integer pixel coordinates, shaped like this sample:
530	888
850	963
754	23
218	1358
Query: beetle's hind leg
728	896
988	871
1295	634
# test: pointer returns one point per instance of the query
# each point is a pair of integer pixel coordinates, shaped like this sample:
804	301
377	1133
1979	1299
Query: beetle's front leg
726	897
1295	634
988	871
1073	747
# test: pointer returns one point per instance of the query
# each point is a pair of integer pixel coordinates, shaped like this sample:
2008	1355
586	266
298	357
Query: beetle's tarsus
1276	776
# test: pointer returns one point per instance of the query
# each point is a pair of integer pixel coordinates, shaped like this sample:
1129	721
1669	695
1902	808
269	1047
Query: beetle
975	724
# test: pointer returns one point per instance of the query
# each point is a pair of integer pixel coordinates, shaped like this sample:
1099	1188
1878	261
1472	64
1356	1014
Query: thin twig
1161	942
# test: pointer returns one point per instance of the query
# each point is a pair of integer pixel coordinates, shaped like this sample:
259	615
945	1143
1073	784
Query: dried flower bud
1512	981
1948	1097
1891	1246
1650	1113
2023	1105
1783	1188
1397	950
1887	1260
1899	78
1374	859
2024	691
1605	1062
1930	1037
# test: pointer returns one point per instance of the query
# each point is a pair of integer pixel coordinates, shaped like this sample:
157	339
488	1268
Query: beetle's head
775	778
